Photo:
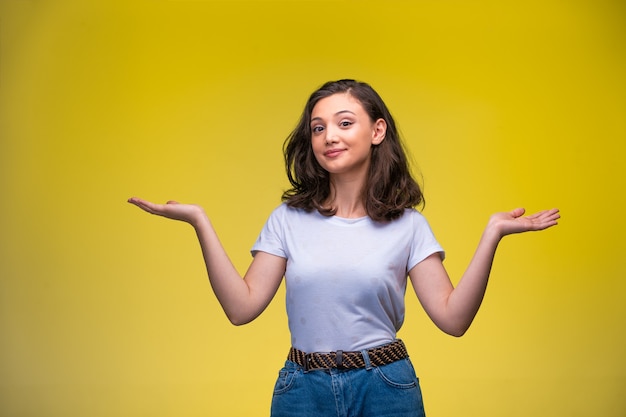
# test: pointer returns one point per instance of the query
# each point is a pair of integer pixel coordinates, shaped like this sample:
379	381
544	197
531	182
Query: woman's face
342	135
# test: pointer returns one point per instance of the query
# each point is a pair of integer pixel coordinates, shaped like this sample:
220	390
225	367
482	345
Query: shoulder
412	215
285	212
415	220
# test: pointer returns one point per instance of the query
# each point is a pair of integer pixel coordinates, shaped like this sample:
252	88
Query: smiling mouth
333	152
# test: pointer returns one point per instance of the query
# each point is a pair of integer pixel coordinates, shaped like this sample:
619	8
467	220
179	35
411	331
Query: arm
242	299
453	309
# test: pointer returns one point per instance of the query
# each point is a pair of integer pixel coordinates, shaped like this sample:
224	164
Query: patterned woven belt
378	356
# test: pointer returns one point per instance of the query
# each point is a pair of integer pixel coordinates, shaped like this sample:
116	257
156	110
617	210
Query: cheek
318	149
317	145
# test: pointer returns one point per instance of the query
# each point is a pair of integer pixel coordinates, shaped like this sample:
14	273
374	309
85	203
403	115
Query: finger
134	200
545	223
518	212
555	213
138	202
536	216
146	205
552	213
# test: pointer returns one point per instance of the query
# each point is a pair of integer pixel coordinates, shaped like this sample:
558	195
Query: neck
347	198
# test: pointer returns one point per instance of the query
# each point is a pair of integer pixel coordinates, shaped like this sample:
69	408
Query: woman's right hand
189	213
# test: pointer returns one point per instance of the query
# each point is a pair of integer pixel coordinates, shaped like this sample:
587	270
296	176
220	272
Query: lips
331	153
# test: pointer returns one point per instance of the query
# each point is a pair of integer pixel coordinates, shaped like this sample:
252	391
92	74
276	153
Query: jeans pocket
399	374
285	380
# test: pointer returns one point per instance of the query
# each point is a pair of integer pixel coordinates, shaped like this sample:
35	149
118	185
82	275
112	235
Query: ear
379	131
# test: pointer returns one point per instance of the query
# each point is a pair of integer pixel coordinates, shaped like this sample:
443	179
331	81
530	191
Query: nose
331	137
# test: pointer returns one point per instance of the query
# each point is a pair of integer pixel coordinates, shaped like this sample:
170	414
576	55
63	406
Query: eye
317	129
345	123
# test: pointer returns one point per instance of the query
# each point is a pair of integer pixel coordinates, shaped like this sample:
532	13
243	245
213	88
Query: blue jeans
386	391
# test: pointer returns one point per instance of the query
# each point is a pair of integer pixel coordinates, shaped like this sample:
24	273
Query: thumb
518	212
172	202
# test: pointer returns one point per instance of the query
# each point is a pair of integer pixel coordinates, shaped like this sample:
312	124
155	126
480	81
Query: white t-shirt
345	278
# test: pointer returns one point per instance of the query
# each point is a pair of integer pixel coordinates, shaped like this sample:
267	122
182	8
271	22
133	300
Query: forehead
331	105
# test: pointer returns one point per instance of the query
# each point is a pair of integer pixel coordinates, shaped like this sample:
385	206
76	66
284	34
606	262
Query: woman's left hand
512	222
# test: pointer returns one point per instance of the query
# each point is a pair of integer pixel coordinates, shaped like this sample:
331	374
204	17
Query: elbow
457	330
240	318
238	321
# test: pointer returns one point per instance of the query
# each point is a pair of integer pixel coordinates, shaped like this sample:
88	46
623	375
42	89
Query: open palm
189	213
512	222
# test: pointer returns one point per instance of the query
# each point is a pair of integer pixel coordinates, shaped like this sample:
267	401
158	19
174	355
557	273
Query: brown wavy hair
389	187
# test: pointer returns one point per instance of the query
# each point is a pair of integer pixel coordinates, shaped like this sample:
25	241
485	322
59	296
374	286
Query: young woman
346	238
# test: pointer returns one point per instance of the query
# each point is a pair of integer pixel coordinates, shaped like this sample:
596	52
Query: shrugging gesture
343	239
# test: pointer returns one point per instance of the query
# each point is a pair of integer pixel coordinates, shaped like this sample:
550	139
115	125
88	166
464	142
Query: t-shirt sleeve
424	242
271	238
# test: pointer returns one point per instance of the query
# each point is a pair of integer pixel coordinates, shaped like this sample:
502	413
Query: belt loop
307	362
366	359
339	359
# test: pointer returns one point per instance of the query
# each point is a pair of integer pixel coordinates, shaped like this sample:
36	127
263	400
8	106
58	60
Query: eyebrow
336	114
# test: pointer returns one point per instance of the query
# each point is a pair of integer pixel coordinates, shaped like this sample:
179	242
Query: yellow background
106	311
